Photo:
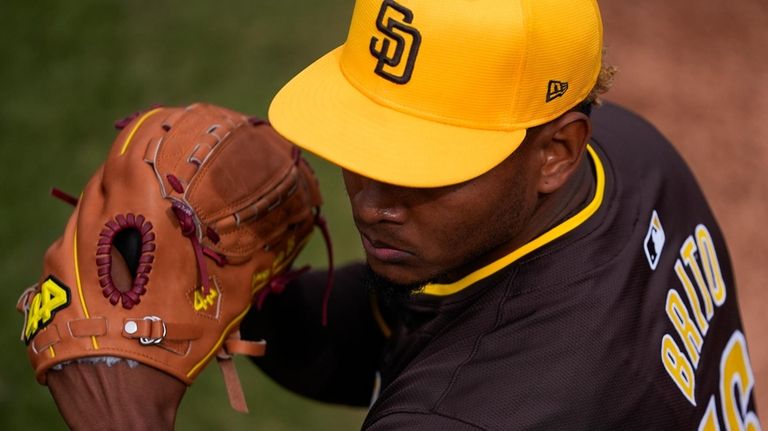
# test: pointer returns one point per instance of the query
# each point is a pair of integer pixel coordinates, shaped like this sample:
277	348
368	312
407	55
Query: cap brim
320	111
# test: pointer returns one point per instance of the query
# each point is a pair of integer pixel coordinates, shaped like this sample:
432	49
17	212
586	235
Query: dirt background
698	70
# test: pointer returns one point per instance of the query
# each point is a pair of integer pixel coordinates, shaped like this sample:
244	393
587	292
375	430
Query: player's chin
410	277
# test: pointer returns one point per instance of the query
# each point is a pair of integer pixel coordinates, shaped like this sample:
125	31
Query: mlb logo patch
654	241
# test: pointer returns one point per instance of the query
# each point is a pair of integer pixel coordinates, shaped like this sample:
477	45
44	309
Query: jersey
622	316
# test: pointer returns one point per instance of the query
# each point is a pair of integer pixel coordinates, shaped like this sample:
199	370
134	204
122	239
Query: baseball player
530	264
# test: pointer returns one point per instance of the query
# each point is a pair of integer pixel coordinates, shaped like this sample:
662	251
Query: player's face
417	235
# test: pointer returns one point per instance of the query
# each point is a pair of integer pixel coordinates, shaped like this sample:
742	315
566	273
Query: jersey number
736	384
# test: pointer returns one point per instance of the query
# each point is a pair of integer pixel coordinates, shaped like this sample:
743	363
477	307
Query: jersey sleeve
336	363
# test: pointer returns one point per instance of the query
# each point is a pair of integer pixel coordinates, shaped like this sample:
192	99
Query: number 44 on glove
194	213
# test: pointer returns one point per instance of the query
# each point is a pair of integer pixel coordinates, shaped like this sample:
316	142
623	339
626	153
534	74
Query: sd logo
402	35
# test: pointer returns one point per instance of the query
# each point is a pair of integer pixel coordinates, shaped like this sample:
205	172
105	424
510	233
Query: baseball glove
195	211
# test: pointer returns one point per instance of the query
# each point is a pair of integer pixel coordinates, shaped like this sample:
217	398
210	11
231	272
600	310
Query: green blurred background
67	71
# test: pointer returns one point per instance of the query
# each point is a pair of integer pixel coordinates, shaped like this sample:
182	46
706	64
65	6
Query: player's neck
555	207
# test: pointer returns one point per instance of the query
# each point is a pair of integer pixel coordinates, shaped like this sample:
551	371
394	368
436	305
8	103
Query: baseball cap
428	93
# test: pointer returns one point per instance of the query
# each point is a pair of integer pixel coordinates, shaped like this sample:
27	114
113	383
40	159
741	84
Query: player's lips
382	251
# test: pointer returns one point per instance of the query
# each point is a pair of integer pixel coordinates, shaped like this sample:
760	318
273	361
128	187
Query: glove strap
232	382
235	345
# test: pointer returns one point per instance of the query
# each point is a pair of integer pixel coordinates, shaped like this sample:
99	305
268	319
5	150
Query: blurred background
696	69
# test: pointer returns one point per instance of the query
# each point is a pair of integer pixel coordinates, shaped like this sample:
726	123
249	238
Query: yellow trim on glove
139	122
217	346
80	290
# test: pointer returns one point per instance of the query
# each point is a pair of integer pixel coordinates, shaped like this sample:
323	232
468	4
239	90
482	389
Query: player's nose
373	201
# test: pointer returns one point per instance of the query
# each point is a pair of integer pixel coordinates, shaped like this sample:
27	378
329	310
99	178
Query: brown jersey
622	316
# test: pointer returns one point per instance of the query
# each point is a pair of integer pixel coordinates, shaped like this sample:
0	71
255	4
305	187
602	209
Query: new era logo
556	89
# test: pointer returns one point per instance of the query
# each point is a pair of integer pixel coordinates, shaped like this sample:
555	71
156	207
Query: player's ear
562	144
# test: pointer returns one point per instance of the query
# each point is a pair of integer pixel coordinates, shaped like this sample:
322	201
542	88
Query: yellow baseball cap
427	93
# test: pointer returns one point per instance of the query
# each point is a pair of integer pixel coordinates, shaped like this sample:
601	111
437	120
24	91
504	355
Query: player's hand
115	398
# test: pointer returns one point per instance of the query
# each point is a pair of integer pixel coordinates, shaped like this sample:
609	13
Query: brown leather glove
193	213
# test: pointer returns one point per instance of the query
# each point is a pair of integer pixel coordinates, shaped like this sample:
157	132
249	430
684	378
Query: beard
387	291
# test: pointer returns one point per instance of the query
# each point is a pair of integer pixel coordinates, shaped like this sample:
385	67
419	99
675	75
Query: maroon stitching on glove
323	226
212	235
220	259
175	183
185	217
187	224
256	121
104	259
63	196
278	284
123	122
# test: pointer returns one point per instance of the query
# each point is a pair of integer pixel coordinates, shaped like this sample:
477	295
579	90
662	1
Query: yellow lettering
711	264
678	367
687	251
290	245
53	297
33	320
737	380
709	420
260	280
693	298
685	327
202	303
44	304
278	261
